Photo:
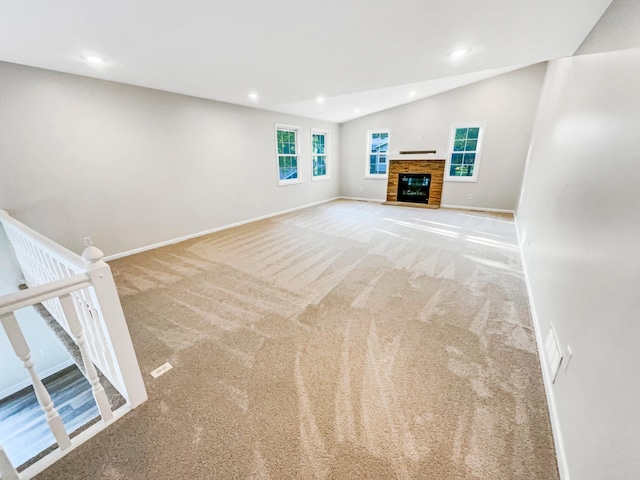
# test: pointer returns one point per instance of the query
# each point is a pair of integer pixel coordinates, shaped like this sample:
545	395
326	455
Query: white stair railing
81	296
106	335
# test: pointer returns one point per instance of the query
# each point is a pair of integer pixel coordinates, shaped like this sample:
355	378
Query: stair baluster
21	349
92	375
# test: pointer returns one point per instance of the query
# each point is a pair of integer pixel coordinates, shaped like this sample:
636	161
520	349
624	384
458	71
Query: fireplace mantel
397	167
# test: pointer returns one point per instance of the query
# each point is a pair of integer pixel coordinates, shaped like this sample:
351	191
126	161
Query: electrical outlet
87	241
470	196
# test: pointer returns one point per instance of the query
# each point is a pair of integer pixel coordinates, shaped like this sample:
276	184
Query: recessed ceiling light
459	52
357	110
412	93
93	59
320	99
253	96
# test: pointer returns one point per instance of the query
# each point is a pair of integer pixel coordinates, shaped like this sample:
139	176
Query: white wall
617	29
579	207
132	167
47	352
507	103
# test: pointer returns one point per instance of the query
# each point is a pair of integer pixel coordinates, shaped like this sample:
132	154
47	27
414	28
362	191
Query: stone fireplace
415	183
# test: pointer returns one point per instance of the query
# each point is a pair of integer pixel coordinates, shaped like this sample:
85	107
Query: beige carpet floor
348	341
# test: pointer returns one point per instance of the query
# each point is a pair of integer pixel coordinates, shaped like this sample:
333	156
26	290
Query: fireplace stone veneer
433	167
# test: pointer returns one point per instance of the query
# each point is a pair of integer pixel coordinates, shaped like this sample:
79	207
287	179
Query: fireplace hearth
414	187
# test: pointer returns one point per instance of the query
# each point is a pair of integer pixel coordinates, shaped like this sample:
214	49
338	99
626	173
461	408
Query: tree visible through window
287	139
464	152
319	153
377	153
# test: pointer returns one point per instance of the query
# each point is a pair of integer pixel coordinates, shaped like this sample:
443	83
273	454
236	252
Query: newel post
108	302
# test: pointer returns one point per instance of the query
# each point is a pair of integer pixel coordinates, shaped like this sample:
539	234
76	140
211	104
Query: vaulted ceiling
330	59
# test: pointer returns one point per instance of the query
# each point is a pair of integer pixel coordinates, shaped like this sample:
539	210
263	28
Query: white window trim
327	153
298	130
380	176
452	133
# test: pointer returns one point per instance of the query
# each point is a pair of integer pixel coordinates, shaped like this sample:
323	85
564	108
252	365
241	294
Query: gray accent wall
132	167
579	209
507	103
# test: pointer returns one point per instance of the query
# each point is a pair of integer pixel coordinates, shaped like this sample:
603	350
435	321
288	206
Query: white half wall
579	209
507	103
131	166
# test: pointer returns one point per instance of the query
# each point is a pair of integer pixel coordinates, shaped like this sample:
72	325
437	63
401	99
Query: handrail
40	293
73	259
80	294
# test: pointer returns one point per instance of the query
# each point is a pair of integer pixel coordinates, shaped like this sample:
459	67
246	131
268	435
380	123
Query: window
377	153
319	154
465	146
288	154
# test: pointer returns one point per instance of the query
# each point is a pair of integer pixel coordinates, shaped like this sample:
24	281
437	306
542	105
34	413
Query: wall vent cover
553	354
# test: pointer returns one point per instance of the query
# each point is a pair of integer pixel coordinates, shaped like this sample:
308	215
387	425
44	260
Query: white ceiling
358	54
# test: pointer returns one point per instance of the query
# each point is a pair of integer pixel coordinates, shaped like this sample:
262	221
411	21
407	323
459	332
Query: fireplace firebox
414	187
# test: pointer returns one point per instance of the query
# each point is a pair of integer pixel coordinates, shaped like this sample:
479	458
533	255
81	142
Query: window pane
456	158
292	147
463	171
472	145
469	158
382	168
379	142
474	132
383	159
461	133
454	170
458	145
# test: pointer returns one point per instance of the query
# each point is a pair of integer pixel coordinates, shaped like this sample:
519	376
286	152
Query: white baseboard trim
25	383
480	209
360	199
213	230
561	457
